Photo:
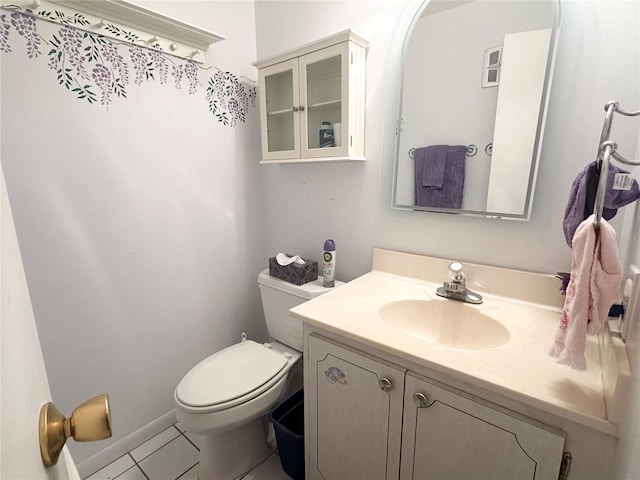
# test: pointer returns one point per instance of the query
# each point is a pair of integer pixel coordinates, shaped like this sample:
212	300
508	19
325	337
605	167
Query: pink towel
596	273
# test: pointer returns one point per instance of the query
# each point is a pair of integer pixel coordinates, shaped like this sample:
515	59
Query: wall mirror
475	85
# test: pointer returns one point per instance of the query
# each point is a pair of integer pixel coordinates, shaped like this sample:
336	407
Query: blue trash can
288	423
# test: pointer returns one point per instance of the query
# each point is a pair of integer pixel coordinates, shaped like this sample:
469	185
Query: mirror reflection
474	90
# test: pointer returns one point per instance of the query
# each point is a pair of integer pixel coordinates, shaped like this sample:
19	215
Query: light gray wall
138	224
627	465
307	204
142	227
350	203
598	60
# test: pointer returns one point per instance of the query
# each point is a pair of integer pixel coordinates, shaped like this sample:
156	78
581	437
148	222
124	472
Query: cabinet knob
385	384
421	400
295	109
302	108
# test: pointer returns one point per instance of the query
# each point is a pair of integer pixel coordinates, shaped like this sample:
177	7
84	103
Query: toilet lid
231	373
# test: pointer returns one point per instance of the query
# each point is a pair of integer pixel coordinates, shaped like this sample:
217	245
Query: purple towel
581	193
433	164
592	179
450	195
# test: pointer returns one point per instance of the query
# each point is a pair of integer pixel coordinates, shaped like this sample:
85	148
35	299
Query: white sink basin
445	322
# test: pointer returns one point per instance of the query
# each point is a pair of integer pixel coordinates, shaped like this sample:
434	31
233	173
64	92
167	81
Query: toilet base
230	454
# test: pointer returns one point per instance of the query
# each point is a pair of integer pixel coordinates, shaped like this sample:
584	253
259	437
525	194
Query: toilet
224	398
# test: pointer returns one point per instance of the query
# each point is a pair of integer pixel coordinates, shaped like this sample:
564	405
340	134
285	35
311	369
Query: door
25	387
354	413
449	436
279	111
324	92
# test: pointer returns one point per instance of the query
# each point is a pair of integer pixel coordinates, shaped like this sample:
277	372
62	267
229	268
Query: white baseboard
114	451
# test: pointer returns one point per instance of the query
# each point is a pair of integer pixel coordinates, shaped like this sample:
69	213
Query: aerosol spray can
329	264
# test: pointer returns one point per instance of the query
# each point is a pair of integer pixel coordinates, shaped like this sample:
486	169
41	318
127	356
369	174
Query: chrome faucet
456	287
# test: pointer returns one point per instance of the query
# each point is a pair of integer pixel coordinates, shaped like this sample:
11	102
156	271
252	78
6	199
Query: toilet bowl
225	397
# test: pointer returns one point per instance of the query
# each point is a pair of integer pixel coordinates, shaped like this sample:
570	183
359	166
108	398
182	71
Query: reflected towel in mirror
451	192
435	160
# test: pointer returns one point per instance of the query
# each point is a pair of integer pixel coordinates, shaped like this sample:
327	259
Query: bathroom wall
142	227
138	223
598	60
350	202
627	465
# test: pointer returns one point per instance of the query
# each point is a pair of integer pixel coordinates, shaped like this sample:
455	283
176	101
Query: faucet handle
456	272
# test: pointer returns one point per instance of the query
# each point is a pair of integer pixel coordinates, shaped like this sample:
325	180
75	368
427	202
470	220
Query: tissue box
294	273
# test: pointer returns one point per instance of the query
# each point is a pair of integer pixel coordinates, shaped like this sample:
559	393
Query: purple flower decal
139	59
4	34
102	77
25	25
110	54
219	80
159	63
229	98
72	43
191	72
177	72
253	93
85	61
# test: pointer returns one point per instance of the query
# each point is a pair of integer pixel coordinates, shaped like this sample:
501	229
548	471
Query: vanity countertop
521	369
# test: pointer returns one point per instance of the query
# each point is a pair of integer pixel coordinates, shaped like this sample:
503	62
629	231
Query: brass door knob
89	422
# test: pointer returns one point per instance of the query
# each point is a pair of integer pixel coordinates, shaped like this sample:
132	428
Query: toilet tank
278	297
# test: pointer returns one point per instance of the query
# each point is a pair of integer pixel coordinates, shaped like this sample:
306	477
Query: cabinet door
354	414
448	436
324	92
279	103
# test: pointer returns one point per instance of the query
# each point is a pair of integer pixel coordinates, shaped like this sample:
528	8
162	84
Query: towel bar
607	151
471	151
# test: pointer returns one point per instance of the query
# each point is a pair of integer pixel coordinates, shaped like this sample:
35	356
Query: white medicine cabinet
312	101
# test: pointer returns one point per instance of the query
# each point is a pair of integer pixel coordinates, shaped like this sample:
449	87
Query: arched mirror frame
402	38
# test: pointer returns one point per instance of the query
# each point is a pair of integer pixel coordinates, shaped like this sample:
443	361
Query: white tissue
284	260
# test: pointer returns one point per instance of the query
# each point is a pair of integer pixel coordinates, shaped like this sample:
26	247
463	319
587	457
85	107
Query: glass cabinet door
279	110
324	92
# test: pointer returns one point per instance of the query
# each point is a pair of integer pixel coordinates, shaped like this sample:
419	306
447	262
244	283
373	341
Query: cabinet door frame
341	49
318	349
292	65
541	444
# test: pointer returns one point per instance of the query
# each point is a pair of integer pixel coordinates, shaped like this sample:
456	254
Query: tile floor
173	455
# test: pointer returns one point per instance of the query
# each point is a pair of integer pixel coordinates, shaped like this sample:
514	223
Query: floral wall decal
99	70
4	34
25	25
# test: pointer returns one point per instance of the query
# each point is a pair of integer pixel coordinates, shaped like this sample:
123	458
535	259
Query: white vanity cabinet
370	419
355	408
301	89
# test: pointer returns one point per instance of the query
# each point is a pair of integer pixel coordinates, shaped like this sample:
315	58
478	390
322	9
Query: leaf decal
96	69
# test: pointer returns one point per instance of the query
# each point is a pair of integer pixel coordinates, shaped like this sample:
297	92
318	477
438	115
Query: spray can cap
329	245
